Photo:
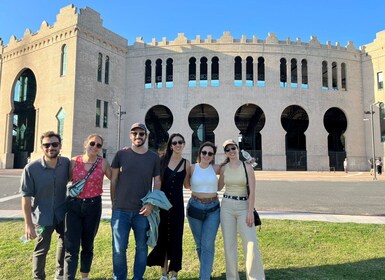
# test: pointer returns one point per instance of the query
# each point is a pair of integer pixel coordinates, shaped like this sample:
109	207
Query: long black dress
171	224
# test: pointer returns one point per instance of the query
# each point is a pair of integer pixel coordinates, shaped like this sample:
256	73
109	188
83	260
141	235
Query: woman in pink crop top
84	211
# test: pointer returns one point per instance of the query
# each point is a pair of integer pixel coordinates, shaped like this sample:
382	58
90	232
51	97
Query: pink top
94	184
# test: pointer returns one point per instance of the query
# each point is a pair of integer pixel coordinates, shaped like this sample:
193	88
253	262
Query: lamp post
119	114
371	112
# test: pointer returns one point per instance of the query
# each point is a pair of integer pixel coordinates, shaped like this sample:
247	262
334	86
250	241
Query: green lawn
290	250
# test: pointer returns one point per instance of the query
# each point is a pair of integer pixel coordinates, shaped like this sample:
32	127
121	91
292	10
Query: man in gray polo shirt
133	171
43	189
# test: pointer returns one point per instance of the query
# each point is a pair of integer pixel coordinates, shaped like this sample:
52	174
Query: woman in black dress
168	251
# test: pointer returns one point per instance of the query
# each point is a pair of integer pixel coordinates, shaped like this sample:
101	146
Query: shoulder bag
257	219
78	187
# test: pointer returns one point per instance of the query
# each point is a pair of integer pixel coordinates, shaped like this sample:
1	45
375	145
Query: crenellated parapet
69	23
227	38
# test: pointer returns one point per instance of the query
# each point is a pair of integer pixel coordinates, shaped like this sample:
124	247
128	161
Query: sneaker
163	277
173	278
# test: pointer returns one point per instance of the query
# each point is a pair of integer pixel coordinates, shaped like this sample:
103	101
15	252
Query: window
334	76
325	80
380	80
294	74
343	76
238	71
261	72
107	71
63	62
203	72
105	114
147	74
304	74
169	73
283	73
100	66
98	112
192	72
60	122
158	73
249	72
215	71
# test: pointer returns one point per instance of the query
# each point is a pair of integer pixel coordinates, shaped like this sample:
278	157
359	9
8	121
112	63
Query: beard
52	155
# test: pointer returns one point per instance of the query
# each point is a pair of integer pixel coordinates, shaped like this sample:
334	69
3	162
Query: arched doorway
295	121
335	124
24	115
203	119
159	120
250	119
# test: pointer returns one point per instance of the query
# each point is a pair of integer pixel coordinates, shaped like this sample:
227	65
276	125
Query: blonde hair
91	136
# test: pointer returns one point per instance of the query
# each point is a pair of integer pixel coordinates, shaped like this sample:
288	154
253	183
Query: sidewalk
273	176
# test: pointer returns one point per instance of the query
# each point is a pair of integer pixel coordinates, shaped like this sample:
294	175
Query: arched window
261	71
147	74
158	73
60	116
63	62
293	73
203	72
215	71
283	73
304	73
334	76
343	77
100	67
238	71
325	80
249	72
107	70
192	72
169	73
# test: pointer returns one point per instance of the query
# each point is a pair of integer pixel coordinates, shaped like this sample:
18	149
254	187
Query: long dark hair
206	144
165	159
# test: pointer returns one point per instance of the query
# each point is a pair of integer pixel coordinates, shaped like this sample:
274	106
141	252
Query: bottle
38	230
248	157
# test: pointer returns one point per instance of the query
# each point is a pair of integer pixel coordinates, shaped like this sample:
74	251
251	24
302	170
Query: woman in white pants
237	215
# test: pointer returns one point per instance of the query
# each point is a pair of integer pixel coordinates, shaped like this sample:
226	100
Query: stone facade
76	92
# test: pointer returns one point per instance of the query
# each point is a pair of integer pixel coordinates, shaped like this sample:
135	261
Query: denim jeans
81	225
41	250
204	233
121	223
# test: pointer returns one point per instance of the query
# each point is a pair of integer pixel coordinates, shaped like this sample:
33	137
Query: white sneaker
163	277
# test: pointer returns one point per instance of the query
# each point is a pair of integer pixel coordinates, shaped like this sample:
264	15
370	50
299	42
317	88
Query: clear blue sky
329	20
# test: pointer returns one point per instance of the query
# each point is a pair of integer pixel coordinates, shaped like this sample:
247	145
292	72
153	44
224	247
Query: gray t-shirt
47	187
135	178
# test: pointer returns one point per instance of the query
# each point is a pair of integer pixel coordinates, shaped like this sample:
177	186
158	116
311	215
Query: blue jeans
204	233
121	223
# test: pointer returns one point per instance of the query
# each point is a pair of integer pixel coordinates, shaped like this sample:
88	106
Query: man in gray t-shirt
134	172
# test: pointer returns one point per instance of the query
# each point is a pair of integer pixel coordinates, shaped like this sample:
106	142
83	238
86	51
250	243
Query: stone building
293	105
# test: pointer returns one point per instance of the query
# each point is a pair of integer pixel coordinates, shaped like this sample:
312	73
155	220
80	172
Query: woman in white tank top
205	204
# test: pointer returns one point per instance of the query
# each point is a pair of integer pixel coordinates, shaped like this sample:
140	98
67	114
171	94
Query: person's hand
146	210
251	160
30	232
250	218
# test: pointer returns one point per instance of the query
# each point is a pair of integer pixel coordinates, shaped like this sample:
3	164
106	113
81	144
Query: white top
204	180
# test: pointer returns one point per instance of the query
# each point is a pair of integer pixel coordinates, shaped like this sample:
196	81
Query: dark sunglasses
141	134
233	148
180	142
53	144
210	154
98	145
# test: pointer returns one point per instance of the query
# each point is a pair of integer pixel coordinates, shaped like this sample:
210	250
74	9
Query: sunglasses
180	142
53	144
210	154
141	134
233	148
98	145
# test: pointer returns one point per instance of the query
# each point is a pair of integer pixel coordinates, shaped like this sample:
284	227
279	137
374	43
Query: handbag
257	219
78	187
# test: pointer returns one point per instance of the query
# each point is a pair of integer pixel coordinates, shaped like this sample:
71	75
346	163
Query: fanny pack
200	214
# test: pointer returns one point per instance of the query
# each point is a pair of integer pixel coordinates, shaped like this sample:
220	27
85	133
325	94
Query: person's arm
189	170
147	208
221	183
107	168
29	228
251	200
113	182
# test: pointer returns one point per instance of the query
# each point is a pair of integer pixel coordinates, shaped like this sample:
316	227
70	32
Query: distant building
293	105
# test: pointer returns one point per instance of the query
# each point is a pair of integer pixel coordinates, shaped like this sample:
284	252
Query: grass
290	250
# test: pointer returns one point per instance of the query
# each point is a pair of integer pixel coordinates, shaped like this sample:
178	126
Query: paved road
297	194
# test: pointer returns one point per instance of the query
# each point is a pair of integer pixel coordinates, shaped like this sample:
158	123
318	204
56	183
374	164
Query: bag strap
247	179
92	168
175	170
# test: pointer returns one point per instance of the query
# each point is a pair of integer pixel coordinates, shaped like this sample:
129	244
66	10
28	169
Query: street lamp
119	114
371	112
